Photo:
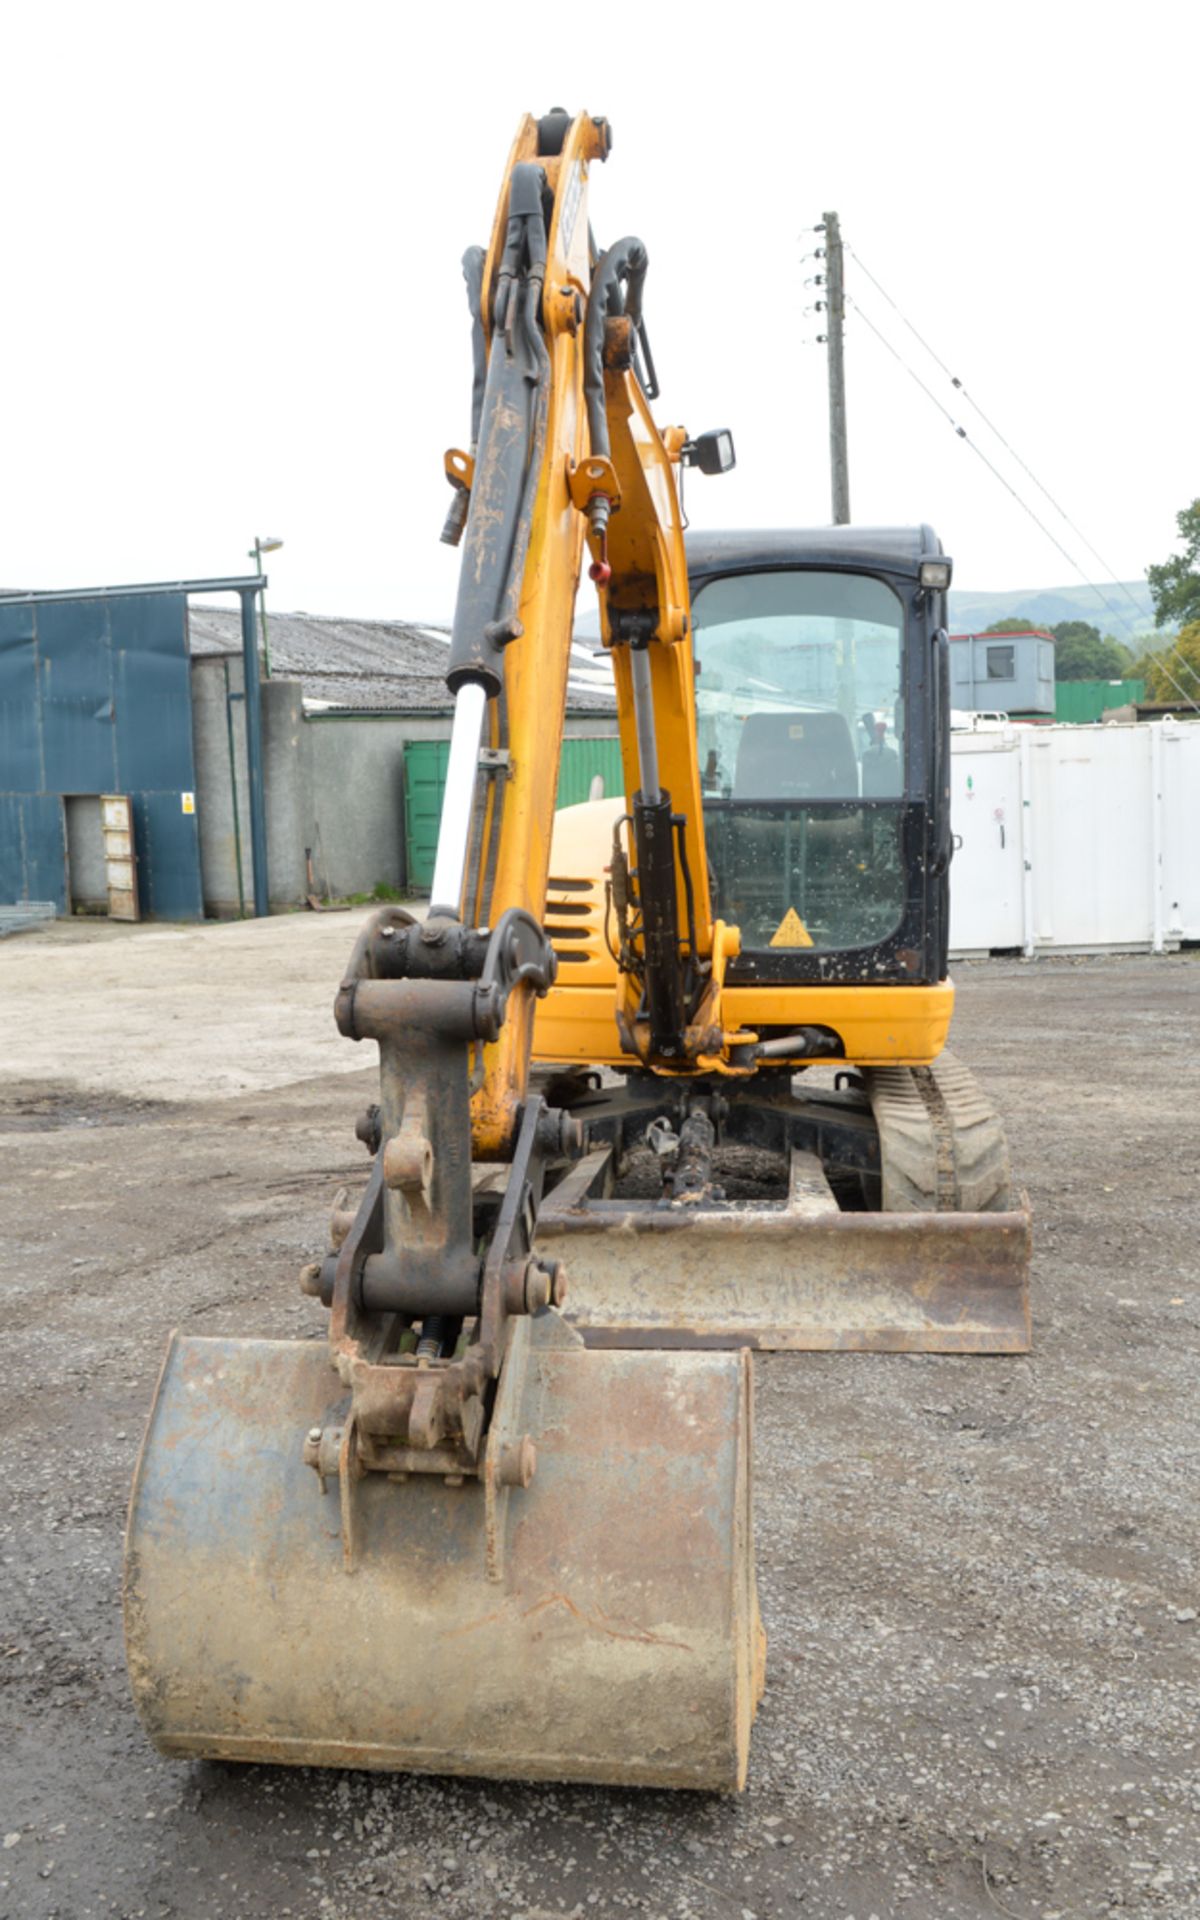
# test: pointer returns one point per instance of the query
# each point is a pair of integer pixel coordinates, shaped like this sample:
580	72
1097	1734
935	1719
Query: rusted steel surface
795	1277
411	1258
617	1639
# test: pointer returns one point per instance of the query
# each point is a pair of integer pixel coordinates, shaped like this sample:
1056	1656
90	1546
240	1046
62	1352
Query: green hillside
1046	606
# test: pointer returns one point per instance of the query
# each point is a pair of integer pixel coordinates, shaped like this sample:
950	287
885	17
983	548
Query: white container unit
1092	813
1076	839
1179	782
987	873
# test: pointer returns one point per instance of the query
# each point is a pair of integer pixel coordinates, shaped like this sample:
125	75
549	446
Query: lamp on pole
261	546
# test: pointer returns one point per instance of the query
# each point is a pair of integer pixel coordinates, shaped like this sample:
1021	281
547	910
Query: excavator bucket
598	1624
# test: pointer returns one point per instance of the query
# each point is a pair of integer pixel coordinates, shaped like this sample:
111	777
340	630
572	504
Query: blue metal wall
95	697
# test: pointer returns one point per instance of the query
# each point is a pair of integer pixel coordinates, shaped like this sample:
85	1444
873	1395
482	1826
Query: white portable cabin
1075	838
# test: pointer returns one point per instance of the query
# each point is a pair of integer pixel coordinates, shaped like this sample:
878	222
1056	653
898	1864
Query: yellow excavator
688	1044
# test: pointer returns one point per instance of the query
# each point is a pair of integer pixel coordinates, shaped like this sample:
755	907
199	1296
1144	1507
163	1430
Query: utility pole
254	753
835	313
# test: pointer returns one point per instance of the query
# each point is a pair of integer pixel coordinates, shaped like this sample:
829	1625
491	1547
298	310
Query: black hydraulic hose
524	239
512	442
617	285
473	262
537	374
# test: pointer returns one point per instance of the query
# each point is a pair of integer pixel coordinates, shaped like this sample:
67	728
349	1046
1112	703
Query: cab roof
869	549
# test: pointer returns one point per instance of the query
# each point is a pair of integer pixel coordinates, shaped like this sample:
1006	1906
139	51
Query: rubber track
941	1142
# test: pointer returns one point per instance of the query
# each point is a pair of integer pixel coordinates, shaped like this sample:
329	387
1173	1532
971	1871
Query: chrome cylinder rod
643	713
458	799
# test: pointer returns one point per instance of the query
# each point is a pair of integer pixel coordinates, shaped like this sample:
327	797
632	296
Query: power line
1176	652
1179	690
962	434
1005	482
992	428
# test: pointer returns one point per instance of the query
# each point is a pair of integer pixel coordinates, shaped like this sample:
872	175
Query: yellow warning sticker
187	802
791	931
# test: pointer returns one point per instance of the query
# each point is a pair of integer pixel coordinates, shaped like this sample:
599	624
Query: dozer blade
599	1624
802	1276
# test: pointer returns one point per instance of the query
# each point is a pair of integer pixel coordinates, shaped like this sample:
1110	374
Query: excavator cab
881	1213
820	711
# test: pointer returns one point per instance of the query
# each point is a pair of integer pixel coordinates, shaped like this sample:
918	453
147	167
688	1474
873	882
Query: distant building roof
372	666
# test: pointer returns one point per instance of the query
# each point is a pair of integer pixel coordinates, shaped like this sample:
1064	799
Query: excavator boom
458	1539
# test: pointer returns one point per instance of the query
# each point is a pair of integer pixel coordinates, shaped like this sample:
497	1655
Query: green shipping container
1080	702
425	763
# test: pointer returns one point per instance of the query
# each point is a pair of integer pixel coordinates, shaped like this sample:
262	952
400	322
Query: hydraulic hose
473	262
617	286
513	410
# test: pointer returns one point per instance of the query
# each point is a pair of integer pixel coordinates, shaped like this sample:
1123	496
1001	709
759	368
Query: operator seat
796	756
785	760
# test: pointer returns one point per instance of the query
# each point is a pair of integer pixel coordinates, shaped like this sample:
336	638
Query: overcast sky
233	303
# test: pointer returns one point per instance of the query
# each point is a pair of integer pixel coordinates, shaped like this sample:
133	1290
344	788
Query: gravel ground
979	1578
130	1009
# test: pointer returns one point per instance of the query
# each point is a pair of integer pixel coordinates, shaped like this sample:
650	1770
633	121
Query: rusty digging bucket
600	1624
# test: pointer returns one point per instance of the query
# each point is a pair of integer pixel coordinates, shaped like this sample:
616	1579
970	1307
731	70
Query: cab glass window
800	719
799	693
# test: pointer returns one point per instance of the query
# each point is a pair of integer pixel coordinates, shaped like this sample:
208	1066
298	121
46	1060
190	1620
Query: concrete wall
356	800
288	779
334	787
220	789
223	793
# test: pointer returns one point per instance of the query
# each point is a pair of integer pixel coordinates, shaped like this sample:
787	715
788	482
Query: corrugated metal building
95	698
